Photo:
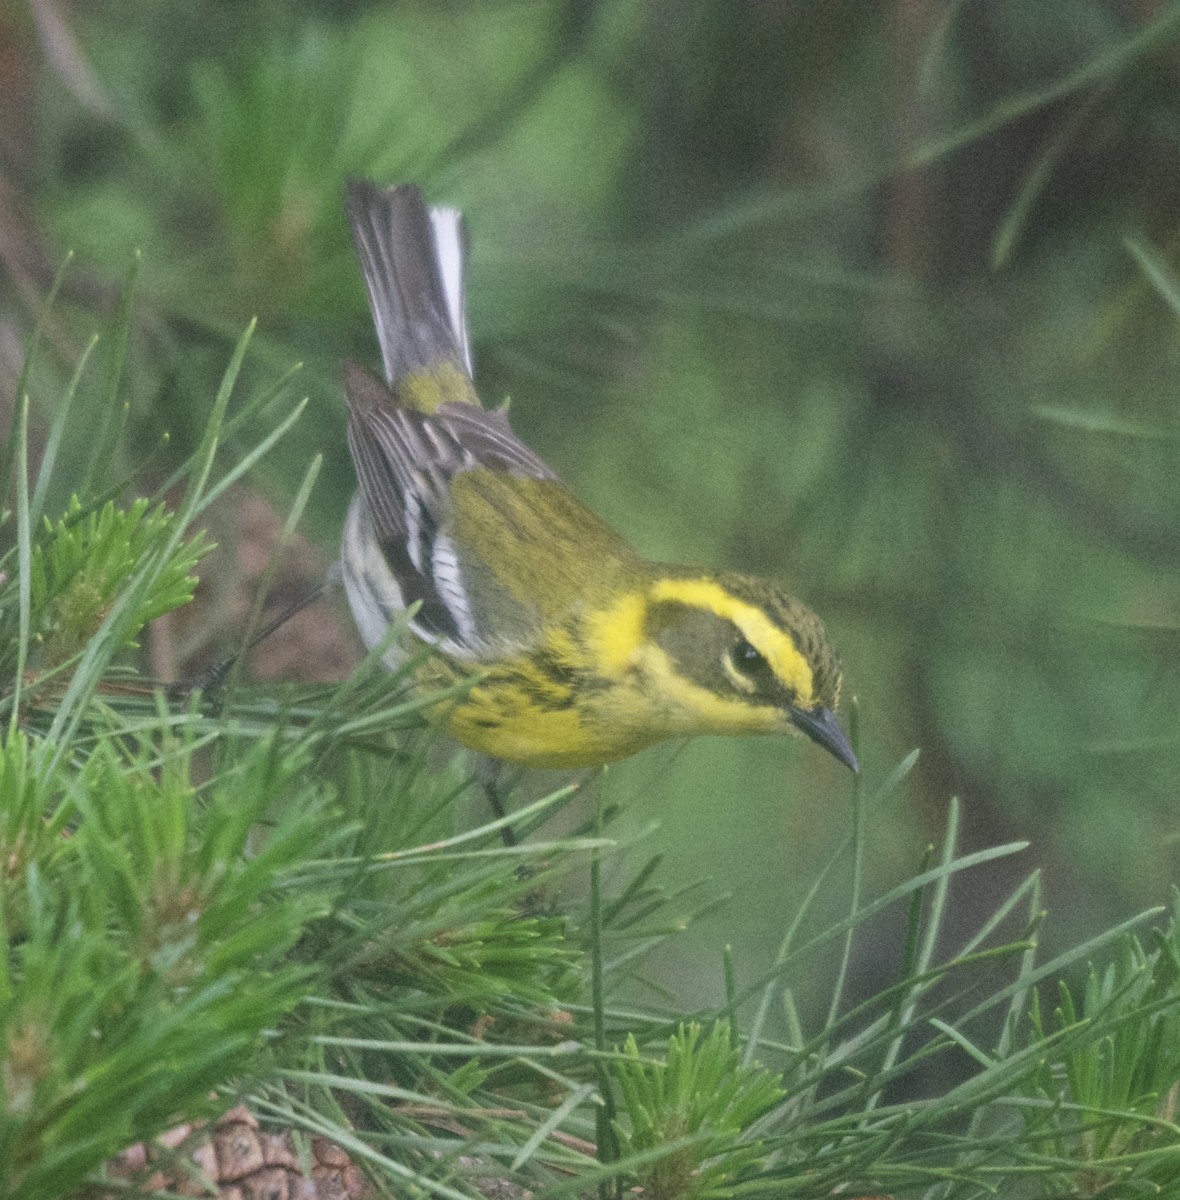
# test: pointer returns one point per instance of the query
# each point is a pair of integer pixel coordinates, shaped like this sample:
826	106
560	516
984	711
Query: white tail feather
448	246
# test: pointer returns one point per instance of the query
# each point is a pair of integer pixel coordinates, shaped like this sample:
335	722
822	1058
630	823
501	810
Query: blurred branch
65	54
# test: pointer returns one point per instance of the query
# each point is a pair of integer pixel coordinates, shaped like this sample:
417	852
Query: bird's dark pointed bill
821	726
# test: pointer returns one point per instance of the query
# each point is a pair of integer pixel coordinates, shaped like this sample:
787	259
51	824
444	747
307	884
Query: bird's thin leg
507	833
489	773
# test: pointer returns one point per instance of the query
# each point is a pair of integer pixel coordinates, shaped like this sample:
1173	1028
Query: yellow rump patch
443	383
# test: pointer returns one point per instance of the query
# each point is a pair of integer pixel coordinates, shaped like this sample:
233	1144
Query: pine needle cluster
269	897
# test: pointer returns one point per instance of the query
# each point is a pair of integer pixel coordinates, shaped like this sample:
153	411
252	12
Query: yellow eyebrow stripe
764	635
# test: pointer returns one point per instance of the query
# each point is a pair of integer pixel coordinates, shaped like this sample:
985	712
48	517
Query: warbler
579	650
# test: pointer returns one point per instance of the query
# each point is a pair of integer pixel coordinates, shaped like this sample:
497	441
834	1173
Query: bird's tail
412	259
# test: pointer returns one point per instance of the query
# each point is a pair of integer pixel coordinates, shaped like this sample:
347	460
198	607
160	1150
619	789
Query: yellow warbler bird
580	650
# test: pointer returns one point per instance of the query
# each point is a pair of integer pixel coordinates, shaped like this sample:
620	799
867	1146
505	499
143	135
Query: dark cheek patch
711	651
696	641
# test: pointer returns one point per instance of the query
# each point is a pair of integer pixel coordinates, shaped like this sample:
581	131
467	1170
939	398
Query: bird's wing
471	523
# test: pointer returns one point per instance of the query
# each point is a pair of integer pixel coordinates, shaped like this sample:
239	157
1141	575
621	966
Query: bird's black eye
748	664
750	670
746	657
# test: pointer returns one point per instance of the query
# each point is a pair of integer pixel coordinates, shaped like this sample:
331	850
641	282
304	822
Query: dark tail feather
412	260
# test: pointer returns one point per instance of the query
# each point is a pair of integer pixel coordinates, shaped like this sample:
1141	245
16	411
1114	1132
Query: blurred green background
880	298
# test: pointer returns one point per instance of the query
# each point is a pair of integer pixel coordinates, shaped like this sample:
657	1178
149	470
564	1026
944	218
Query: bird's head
744	656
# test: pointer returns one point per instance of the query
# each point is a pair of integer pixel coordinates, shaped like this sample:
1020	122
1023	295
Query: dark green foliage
267	899
81	564
882	303
1107	1105
689	1114
146	949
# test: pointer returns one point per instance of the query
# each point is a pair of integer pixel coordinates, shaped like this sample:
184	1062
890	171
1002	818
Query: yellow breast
509	725
551	707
